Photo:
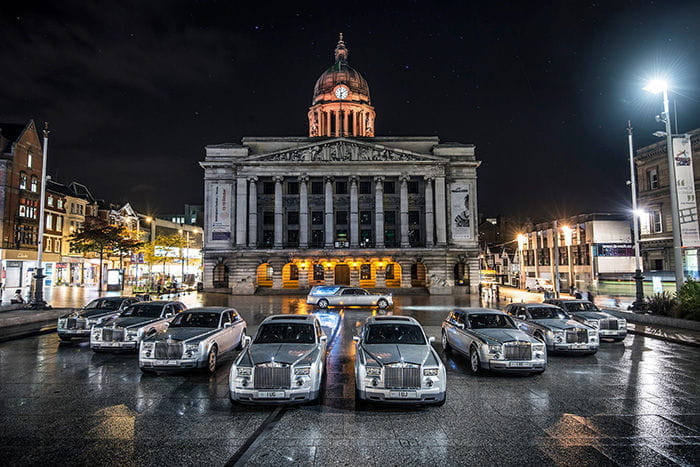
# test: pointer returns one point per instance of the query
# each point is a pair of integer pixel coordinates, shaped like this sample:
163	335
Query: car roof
290	319
536	304
209	309
480	311
155	302
572	300
390	319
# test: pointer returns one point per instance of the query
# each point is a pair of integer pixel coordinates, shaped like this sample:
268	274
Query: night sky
134	91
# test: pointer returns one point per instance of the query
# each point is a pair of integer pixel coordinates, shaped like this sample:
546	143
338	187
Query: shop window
389	271
366	272
293	272
318	272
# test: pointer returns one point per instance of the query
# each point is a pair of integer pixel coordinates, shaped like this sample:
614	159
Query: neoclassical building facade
340	206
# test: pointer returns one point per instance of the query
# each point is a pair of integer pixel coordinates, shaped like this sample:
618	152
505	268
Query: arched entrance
342	274
367	275
290	276
220	273
418	275
393	275
264	275
461	274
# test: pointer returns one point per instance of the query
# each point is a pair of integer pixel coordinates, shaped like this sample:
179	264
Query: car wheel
323	303
445	344
381	303
240	342
474	361
211	360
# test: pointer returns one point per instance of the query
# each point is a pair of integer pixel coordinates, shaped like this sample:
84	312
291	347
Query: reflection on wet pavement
635	402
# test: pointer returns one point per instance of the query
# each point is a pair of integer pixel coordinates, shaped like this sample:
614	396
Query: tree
125	244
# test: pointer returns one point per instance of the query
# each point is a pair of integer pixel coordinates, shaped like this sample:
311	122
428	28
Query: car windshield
103	304
491	320
195	320
573	307
285	333
143	311
391	333
546	313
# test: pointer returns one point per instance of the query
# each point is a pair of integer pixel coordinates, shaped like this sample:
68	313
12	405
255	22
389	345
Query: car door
455	332
521	317
322	343
237	328
224	337
347	297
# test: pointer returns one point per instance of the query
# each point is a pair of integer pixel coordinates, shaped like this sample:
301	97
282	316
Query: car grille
608	324
168	350
517	351
575	336
75	323
272	377
113	334
402	377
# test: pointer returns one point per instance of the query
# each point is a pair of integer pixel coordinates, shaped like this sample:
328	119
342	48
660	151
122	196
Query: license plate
520	364
170	362
579	346
271	394
110	344
402	394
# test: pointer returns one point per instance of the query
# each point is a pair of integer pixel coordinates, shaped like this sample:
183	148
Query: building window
268	218
293	237
653	177
365	188
657	224
49	201
413	217
390	271
29	159
389	188
80	209
316	238
268	237
563	256
365	272
59	203
292	218
341	217
390	237
49	222
413	187
292	188
341	188
293	272
268	188
318	272
317	217
22	181
366	217
59	223
22	210
414	237
366	238
34	185
341	238
57	245
48	245
390	217
316	188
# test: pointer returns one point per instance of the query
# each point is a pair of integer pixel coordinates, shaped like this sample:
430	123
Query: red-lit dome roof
341	73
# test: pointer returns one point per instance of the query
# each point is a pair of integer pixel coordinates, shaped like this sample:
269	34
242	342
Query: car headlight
373	371
538	347
494	348
62	323
592	323
191	349
96	334
302	371
593	332
147	345
622	322
430	371
131	335
244	371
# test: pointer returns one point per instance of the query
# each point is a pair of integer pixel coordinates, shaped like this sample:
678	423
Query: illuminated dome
341	105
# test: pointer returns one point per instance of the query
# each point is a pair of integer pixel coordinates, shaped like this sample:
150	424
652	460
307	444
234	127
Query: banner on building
462	214
685	190
221	210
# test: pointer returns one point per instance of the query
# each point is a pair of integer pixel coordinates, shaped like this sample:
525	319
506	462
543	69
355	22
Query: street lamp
657	86
638	303
39	303
522	241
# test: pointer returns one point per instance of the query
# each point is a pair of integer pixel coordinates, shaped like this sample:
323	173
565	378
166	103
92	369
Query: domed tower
341	105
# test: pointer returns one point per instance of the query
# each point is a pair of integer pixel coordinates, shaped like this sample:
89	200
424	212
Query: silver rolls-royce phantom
583	311
492	341
324	296
395	362
137	321
554	327
79	323
196	338
284	363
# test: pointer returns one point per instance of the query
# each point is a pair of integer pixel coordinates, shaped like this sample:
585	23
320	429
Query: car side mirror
324	338
168	315
227	325
167	325
246	341
356	338
460	325
431	339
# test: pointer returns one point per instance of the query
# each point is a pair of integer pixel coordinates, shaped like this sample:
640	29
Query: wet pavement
635	402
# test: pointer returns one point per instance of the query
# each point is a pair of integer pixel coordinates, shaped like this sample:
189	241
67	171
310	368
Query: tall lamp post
522	241
659	86
39	303
638	303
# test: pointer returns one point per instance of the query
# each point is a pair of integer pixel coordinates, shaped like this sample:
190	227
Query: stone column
304	211
379	212
380	277
354	214
405	273
337	123
328	275
346	120
278	212
328	212
403	207
303	277
354	276
429	222
253	214
277	266
440	211
241	211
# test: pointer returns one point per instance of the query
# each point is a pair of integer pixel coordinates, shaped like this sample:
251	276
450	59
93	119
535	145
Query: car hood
392	353
127	322
504	335
183	334
279	353
557	324
592	315
92	313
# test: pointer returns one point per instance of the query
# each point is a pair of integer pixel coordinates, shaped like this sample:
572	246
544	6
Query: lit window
29	160
657	223
49	201
59	223
34	185
22	181
49	221
59	203
22	210
47	247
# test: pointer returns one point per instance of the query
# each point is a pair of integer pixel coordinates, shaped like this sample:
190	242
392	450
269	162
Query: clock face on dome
341	92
